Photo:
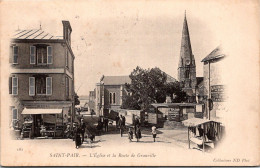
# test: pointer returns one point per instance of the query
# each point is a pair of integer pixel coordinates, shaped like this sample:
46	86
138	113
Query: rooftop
216	53
34	34
116	80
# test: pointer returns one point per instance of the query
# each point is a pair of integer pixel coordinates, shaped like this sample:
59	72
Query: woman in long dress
138	133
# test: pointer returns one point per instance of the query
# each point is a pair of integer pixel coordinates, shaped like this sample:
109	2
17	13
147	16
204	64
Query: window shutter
15	115
67	55
67	86
31	86
32	54
15	85
10	85
49	53
49	85
15	54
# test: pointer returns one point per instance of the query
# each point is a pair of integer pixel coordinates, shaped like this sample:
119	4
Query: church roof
216	53
199	80
186	50
170	79
116	80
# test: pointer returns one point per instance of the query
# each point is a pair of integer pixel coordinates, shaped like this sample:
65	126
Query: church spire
187	67
186	56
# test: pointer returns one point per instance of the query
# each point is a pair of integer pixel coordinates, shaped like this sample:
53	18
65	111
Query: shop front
44	122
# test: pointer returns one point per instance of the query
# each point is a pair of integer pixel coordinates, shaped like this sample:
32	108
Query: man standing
121	125
117	120
106	124
82	128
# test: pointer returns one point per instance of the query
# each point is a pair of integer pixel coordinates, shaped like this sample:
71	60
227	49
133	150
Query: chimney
67	31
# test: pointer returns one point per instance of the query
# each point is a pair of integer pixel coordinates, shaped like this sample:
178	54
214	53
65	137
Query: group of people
78	133
102	123
120	122
79	130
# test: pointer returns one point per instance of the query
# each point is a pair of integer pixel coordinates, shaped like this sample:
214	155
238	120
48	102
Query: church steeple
187	67
186	56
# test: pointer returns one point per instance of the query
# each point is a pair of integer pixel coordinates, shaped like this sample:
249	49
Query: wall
215	79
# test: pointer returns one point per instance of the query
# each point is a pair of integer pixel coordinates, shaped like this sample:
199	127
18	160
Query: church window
187	74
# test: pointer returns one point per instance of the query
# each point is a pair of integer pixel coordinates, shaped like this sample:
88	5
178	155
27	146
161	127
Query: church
192	85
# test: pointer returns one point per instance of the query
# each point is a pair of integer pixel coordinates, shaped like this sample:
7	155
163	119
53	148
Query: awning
193	122
42	111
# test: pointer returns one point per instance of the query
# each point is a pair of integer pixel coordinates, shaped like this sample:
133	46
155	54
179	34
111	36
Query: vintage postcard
129	83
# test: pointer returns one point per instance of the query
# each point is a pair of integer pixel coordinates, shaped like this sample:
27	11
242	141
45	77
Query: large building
214	86
42	78
109	93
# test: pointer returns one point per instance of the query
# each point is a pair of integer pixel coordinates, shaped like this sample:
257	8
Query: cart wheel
77	147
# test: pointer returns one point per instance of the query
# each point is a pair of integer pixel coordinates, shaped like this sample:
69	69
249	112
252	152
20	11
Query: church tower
187	67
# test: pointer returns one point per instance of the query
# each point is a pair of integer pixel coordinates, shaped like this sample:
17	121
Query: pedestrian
106	124
78	138
74	130
138	134
121	125
123	120
154	133
136	123
99	126
82	129
117	120
130	135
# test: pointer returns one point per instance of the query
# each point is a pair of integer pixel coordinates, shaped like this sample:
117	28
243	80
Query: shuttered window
15	54
67	86
48	85
10	85
67	57
49	52
31	86
14	114
15	85
32	54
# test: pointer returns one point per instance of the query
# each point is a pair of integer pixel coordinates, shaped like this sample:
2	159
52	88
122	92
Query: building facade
109	93
214	87
42	77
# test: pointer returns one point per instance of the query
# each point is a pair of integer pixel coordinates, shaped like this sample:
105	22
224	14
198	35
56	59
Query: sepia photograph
129	83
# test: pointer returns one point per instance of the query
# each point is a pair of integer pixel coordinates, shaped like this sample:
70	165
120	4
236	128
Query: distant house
91	102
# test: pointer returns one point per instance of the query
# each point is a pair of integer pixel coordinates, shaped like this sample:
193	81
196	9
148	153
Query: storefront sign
174	114
152	118
47	118
217	93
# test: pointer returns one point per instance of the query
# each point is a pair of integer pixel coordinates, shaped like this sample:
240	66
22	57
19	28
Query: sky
113	38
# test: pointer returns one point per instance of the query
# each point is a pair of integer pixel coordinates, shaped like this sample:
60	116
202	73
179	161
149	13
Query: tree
147	86
76	98
173	89
150	86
